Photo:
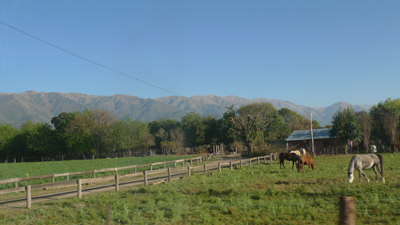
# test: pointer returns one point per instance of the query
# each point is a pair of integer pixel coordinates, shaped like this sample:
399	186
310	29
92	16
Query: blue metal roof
299	135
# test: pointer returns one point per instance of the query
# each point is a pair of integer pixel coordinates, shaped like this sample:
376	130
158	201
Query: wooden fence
72	183
157	176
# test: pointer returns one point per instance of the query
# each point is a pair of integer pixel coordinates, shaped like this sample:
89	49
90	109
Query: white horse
360	162
302	151
297	152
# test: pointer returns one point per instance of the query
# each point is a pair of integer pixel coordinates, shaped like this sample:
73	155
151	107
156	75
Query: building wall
321	146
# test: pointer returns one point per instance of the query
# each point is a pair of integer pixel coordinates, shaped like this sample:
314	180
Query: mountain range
41	107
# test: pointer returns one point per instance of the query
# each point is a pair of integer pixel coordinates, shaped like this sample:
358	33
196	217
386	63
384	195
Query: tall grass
261	194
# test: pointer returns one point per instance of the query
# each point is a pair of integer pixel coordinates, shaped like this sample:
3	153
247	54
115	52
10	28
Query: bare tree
366	127
391	124
178	136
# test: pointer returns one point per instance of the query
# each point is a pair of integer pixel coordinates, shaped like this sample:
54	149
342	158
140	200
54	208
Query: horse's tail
381	162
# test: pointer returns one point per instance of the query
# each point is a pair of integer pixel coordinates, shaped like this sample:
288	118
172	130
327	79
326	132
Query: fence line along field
260	194
21	170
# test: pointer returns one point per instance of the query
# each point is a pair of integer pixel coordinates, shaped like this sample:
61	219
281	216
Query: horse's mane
351	164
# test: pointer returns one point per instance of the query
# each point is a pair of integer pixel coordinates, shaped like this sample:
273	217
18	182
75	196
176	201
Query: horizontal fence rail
53	176
157	176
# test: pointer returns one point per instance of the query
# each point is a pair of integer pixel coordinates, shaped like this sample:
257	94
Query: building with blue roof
323	142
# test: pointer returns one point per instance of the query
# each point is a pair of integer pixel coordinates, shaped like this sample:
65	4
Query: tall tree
7	134
95	124
225	133
194	129
346	126
178	137
251	120
66	143
366	127
40	140
385	119
294	121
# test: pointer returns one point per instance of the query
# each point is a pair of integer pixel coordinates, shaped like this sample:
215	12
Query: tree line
98	133
378	127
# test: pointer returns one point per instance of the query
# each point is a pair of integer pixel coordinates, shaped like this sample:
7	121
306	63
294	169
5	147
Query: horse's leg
362	173
376	174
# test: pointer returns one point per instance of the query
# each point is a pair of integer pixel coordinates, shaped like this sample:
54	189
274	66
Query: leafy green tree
251	120
167	125
194	129
94	124
40	139
346	126
66	143
7	134
212	130
225	133
385	120
293	120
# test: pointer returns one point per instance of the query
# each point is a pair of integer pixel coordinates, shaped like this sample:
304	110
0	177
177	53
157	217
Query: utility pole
312	138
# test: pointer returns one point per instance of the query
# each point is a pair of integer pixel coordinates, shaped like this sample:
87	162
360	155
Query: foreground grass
12	170
262	194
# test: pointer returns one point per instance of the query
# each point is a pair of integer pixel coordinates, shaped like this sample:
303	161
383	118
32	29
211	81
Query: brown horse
395	146
288	156
305	160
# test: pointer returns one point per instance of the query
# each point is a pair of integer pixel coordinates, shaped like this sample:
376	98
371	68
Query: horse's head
351	177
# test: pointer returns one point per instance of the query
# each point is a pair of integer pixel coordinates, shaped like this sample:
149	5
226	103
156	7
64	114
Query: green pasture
29	169
261	194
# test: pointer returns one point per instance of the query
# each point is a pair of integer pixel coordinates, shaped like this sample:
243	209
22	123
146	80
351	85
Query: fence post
169	174
258	160
53	179
116	182
205	168
189	173
28	196
347	211
219	167
249	161
175	163
241	164
191	161
16	184
79	181
145	178
151	166
265	160
270	157
94	173
231	165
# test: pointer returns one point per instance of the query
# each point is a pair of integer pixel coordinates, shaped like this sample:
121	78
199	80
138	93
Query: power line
88	60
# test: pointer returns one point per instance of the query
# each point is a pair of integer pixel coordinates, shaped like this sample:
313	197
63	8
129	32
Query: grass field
261	194
13	170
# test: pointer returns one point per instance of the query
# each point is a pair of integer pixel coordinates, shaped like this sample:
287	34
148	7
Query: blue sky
312	53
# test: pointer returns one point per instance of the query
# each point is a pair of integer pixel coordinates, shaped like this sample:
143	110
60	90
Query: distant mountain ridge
41	107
